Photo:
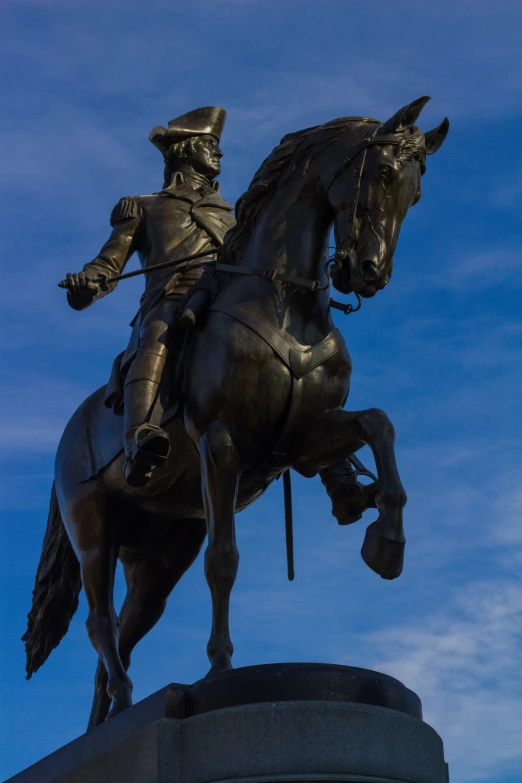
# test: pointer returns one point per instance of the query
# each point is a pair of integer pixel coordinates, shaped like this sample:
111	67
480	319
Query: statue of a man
187	217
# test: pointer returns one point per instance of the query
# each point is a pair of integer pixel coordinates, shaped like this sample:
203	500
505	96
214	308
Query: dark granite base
260	724
299	682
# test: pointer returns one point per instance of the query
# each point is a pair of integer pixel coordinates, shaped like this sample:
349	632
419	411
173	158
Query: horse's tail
55	594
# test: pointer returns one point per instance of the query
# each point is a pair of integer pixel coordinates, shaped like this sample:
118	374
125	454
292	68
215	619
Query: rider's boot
146	445
349	497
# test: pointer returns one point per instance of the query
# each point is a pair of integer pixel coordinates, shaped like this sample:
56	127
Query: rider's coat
187	217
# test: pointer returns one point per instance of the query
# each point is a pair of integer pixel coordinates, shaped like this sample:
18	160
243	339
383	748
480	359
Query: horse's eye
384	172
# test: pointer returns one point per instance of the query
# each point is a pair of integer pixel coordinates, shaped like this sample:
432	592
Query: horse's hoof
120	694
383	555
220	665
118	706
114	711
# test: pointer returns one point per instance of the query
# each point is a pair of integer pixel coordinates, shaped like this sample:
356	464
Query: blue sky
439	350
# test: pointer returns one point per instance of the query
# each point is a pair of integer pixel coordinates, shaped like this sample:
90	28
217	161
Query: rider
188	216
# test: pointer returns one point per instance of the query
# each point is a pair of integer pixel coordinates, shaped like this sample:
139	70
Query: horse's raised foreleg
220	473
335	437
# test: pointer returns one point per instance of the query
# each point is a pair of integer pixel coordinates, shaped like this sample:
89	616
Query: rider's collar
193	179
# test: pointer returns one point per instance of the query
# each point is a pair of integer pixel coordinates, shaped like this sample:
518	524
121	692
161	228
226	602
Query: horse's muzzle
369	278
369	270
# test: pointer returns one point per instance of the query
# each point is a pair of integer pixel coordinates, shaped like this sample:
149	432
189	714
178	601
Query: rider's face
206	156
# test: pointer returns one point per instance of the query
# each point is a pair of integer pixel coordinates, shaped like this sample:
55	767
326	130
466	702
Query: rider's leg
349	498
147	446
142	384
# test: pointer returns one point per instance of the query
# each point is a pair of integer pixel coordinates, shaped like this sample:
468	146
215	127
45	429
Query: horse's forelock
413	147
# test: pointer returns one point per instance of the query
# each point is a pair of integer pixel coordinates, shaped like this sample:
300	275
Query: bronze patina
265	377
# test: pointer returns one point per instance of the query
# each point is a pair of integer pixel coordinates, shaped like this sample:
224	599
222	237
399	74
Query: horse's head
371	190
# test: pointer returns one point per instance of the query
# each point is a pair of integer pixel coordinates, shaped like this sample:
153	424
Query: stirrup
146	449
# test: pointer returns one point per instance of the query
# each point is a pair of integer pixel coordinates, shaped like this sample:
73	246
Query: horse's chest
321	389
300	360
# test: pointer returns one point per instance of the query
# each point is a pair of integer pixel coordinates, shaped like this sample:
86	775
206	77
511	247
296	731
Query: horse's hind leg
151	576
220	470
98	567
335	437
102	701
96	546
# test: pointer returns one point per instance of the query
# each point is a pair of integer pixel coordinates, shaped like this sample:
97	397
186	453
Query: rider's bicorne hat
207	121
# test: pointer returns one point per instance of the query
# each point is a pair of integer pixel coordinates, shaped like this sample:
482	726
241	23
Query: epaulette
125	209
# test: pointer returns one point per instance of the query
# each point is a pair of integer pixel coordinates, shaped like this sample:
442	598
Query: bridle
370	140
333	262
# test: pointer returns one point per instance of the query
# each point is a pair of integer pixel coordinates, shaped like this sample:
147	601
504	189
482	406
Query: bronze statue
265	378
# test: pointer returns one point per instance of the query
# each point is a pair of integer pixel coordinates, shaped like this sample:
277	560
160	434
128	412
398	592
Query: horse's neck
290	237
291	234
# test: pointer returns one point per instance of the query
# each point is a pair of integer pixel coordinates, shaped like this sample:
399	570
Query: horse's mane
296	149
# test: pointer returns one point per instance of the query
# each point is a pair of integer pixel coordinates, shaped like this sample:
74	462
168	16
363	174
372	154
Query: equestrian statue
195	424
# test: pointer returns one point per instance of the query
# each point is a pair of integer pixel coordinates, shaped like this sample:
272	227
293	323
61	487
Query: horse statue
266	377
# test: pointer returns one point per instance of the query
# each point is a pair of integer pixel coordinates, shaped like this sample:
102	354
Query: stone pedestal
260	724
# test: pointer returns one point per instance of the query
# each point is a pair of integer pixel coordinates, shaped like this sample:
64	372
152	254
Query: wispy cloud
34	417
33	434
26	490
506	515
475	270
464	661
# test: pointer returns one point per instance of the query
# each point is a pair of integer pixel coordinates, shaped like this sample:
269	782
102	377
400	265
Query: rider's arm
112	258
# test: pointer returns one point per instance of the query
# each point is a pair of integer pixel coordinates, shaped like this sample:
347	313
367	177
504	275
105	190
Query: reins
302	282
273	274
268	274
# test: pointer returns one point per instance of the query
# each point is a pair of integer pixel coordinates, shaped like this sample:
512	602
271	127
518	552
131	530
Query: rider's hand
79	283
82	289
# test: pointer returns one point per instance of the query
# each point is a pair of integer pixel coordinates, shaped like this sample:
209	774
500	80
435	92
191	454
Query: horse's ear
435	138
405	117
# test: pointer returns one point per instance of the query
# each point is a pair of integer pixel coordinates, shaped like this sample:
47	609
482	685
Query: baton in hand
103	280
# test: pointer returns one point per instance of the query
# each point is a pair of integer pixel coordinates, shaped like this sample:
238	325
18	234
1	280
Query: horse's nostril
369	270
